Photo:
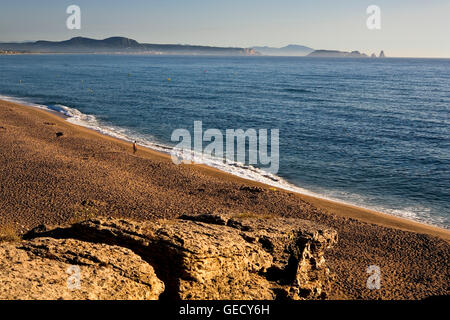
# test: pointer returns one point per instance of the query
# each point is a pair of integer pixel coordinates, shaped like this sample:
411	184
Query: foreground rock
47	268
196	257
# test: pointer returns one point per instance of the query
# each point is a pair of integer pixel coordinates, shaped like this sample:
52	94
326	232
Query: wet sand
50	179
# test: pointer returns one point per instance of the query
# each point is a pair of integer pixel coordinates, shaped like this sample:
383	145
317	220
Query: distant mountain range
289	50
126	45
118	45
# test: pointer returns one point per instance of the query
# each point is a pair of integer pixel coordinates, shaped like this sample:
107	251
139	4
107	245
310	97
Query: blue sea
369	132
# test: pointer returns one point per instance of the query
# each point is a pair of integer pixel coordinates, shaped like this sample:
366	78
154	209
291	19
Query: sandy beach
54	172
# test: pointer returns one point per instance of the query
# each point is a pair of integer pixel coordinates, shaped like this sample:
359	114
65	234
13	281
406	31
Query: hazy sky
419	28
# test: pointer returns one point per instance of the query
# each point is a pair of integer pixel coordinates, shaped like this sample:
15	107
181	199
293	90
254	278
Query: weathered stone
297	248
46	268
220	256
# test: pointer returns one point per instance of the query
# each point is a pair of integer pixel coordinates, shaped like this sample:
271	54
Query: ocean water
370	132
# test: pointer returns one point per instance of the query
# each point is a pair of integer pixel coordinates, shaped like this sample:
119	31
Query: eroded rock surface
46	268
195	257
297	268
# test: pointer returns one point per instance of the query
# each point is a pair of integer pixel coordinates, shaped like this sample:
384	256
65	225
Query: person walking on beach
134	147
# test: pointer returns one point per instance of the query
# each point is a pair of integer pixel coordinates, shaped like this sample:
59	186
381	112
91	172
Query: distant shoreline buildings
9	52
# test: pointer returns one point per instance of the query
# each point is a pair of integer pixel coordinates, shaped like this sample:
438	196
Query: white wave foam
420	214
416	213
22	101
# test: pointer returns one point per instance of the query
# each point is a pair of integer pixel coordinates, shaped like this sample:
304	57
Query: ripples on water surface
370	132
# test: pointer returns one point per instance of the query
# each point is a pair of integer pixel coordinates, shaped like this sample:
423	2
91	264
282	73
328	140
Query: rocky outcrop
193	257
47	268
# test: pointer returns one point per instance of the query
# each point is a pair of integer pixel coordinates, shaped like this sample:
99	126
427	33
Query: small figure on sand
134	147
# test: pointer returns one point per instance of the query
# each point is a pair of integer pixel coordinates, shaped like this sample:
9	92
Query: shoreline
351	211
339	208
57	173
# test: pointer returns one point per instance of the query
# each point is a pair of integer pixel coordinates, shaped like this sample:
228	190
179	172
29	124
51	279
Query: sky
409	28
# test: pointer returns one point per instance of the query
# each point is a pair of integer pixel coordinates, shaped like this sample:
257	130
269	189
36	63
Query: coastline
51	179
340	208
333	206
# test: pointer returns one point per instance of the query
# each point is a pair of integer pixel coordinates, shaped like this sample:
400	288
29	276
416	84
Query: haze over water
371	132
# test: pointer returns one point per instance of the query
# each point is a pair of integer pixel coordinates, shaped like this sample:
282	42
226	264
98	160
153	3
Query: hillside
118	45
337	54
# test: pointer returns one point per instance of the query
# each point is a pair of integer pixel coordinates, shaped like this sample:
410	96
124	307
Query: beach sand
52	180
